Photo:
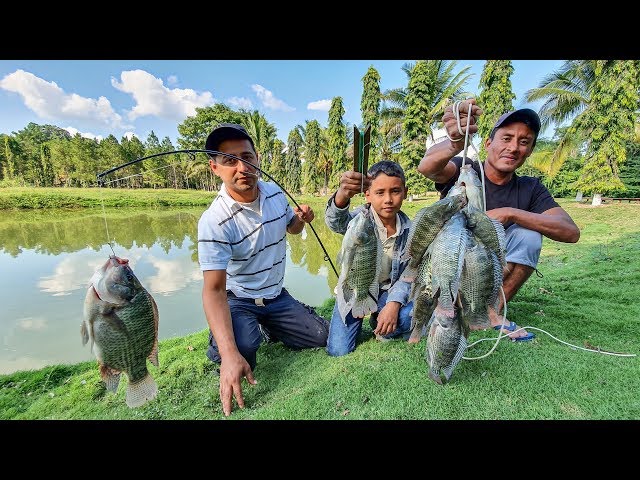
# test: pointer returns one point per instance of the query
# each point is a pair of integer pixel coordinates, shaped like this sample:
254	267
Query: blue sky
102	97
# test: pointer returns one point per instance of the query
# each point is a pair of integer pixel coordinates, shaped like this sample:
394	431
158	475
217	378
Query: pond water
48	257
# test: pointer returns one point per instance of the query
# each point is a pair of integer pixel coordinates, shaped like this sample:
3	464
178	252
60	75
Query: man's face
386	195
510	147
239	178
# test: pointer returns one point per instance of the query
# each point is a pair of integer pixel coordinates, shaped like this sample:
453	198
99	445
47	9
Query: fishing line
104	215
192	152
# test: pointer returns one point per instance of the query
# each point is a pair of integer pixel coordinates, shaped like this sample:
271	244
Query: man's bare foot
510	328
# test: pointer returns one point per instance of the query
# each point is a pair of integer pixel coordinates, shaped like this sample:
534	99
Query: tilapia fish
121	320
424	228
490	232
480	284
446	344
423	299
469	179
360	260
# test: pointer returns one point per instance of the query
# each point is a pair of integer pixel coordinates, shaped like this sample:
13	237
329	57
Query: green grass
36	198
588	295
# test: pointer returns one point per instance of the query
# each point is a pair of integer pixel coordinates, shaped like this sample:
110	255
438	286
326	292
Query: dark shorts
286	319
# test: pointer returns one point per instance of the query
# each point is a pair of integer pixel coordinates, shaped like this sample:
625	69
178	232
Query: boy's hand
351	183
387	319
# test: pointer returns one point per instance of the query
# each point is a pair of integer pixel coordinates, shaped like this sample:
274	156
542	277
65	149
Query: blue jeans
342	338
285	318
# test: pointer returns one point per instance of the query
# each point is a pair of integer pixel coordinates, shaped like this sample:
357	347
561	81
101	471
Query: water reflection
47	259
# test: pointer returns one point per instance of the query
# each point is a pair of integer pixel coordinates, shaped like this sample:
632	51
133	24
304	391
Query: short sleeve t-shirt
522	192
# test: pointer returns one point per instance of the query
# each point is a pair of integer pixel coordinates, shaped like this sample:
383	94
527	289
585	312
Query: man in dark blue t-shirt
522	204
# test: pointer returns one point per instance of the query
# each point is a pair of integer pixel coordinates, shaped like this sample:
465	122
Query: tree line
593	105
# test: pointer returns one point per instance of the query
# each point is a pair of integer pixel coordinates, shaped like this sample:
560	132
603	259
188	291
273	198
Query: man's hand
304	213
502	214
351	183
387	319
451	123
231	372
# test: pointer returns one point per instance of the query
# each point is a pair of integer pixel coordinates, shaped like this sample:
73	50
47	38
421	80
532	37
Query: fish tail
364	307
142	391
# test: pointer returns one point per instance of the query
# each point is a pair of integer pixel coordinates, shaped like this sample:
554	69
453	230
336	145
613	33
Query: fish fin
84	333
344	298
448	370
141	392
110	377
153	356
417	332
368	305
409	274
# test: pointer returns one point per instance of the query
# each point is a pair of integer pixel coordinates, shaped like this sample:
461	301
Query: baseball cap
525	115
226	131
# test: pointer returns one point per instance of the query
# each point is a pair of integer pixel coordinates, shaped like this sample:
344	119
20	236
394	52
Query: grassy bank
587	296
37	198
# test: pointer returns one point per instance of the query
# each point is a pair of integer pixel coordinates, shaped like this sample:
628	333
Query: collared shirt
250	246
388	243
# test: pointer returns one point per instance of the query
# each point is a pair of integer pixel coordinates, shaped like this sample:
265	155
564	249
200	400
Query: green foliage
610	121
293	163
495	98
419	97
630	171
194	130
311	176
337	143
277	169
370	108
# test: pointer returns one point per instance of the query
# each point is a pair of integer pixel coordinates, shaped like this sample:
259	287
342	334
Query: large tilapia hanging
360	260
121	320
461	253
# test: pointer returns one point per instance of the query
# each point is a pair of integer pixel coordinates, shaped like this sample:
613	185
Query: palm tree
447	86
567	95
263	134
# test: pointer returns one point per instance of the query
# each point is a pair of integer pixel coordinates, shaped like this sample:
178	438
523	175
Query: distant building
440	134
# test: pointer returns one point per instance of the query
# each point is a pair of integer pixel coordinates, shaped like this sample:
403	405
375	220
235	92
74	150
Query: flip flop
512	327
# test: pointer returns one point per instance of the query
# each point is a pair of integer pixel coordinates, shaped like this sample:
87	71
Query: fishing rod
192	152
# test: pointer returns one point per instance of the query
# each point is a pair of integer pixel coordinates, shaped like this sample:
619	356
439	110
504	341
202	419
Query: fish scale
447	258
426	225
480	283
121	320
360	258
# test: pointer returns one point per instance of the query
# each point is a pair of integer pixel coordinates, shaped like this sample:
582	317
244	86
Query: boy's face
386	195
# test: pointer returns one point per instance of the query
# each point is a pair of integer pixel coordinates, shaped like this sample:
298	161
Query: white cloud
172	80
90	135
130	135
269	101
153	98
173	275
32	323
50	102
240	102
69	275
323	105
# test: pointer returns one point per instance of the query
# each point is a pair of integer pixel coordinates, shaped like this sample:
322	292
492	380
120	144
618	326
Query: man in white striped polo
242	253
